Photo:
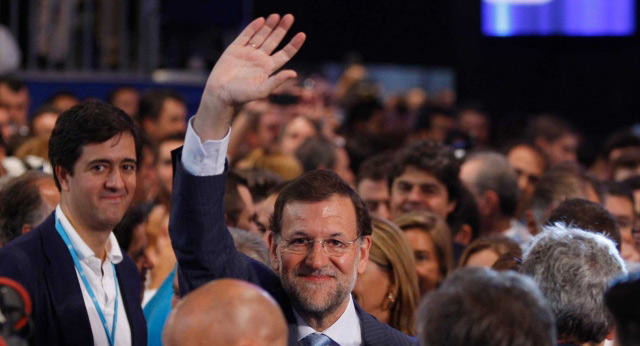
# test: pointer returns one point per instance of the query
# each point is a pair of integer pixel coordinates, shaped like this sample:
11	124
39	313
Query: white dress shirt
103	285
345	331
208	158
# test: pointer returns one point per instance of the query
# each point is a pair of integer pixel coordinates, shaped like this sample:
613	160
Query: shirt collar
345	331
114	254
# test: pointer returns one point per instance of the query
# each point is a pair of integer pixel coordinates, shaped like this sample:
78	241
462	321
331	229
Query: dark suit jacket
41	262
205	251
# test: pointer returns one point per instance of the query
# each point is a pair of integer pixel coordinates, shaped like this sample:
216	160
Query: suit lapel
373	331
131	302
64	288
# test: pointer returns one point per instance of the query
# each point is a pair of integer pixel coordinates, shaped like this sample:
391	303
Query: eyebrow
127	160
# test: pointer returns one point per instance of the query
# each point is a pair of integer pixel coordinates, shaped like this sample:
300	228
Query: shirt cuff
202	159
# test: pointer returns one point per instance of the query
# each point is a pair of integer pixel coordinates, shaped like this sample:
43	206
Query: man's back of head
482	307
572	268
226	312
588	216
621	298
494	184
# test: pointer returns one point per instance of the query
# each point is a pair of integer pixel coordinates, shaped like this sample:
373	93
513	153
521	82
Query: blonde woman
388	289
430	240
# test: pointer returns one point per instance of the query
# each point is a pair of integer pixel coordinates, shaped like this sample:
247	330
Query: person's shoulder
374	330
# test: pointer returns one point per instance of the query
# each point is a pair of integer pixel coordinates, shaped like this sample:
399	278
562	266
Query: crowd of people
291	211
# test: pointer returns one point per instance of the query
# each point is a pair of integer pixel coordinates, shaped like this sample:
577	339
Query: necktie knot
316	339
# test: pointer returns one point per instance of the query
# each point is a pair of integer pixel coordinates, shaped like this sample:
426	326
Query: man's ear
451	205
26	228
364	254
273	252
63	177
463	237
612	334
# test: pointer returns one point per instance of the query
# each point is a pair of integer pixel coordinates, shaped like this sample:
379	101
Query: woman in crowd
388	289
430	240
484	252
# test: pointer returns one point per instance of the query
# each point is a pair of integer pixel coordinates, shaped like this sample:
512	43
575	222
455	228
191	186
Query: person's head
44	120
424	176
555	186
634	185
388	288
63	100
132	238
464	222
162	113
434	123
14	97
626	165
164	167
621	299
6	128
620	143
295	132
264	186
557	139
25	202
430	241
239	210
485	251
93	150
620	203
530	163
588	216
372	184
226	312
126	98
319	242
146	174
483	307
475	123
572	268
494	185
250	244
321	153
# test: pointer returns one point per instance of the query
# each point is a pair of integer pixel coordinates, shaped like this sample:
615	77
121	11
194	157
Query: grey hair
572	268
482	307
495	174
250	244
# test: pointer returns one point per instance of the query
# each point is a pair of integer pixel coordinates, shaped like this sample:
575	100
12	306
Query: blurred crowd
442	194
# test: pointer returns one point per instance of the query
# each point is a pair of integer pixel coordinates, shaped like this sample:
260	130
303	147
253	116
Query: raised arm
246	71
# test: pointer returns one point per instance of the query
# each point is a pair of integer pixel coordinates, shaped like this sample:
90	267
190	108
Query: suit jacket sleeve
199	235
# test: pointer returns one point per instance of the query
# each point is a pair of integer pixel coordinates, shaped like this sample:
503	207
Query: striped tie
316	339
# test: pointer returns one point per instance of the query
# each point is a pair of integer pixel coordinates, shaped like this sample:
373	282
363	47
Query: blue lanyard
74	255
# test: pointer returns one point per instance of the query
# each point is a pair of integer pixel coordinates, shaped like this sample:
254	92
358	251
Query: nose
415	195
523	181
383	210
114	180
317	257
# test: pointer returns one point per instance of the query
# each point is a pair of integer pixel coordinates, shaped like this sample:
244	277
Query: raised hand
246	72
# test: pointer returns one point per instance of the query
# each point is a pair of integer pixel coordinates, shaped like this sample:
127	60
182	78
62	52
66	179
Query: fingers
276	36
285	54
259	37
277	80
248	32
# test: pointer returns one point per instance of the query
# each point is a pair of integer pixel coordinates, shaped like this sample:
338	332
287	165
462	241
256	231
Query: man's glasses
332	247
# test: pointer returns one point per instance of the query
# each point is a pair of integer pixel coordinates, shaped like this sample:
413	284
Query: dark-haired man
85	290
162	113
320	231
14	96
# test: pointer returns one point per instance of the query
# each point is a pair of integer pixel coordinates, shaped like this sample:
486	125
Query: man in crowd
557	139
162	112
163	168
494	186
482	307
572	268
321	153
226	312
25	202
619	202
529	163
84	290
372	185
320	230
14	96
